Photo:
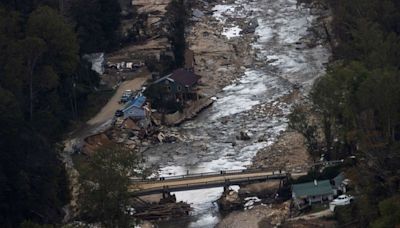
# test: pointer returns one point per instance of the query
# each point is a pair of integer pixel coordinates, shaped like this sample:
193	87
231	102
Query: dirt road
320	214
107	112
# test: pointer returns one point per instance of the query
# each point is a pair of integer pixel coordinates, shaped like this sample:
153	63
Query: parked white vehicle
341	201
126	95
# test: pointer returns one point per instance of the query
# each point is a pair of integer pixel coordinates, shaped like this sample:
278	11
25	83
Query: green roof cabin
312	192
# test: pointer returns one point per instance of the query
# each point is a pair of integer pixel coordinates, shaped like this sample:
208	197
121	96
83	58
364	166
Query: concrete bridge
140	187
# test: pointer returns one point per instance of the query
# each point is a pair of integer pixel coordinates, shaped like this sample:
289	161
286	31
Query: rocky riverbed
258	57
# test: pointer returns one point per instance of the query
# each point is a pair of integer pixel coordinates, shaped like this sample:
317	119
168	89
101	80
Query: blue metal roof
134	108
135	112
138	102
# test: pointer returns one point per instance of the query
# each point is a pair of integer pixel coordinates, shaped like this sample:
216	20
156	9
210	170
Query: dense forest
45	90
359	102
44	86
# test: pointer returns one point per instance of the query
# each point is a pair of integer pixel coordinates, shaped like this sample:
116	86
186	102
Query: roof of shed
339	179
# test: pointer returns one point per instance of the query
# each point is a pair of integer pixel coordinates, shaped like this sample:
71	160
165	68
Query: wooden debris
164	211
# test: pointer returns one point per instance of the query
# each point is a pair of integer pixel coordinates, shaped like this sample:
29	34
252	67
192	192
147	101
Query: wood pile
164	211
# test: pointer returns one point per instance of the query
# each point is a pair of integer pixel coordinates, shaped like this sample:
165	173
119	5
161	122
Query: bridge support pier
166	194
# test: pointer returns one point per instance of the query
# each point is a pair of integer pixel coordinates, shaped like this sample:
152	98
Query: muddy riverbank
221	51
265	55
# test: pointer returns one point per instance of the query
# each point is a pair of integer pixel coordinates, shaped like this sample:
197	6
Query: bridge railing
207	174
206	184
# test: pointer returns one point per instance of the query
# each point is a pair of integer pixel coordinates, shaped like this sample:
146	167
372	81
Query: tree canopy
43	83
105	182
97	23
358	100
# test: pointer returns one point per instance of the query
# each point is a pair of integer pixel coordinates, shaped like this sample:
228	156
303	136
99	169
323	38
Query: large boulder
243	136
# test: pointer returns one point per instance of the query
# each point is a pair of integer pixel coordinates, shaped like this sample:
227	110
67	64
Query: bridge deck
199	181
212	179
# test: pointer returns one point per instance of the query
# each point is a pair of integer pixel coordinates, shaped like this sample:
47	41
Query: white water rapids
282	60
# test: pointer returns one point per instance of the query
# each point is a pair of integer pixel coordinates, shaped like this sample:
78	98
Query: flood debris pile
243	135
145	35
131	134
230	201
164	211
95	142
252	195
220	52
166	208
151	14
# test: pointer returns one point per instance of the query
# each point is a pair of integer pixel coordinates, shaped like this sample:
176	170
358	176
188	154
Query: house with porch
179	86
318	191
312	192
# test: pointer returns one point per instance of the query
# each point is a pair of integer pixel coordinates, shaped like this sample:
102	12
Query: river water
282	59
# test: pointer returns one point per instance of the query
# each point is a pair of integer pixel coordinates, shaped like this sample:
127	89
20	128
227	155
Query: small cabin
312	192
318	191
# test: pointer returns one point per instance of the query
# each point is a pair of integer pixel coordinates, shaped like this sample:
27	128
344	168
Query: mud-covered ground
255	69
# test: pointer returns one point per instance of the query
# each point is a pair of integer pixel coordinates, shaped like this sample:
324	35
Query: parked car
342	200
126	96
119	113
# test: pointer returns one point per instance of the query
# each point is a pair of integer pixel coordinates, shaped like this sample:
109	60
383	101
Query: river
283	58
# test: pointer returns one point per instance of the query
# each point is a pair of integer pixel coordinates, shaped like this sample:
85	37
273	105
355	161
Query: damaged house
136	114
172	91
